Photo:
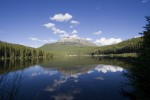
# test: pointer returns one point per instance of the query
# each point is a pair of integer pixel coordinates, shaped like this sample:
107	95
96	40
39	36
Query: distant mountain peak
79	41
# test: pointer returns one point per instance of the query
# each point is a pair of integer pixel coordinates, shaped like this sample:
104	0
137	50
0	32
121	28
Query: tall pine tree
145	49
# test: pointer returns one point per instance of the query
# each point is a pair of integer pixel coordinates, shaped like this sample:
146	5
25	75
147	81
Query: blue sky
36	22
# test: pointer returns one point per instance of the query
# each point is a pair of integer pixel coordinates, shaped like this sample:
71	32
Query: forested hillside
128	46
8	50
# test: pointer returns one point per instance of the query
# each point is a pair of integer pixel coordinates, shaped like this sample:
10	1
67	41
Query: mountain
76	42
73	46
68	46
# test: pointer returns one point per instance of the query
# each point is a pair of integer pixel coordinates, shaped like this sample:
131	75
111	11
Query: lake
64	78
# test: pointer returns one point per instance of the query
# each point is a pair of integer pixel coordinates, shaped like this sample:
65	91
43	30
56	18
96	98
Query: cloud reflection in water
108	68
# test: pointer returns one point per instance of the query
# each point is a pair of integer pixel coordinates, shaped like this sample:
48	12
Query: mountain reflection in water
64	79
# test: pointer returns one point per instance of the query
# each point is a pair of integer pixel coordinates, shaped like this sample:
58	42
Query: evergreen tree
145	49
8	50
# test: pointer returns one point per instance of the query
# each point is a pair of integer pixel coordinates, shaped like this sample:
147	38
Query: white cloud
61	17
137	36
108	68
64	35
58	31
74	32
49	25
71	26
74	22
50	40
89	39
98	32
74	36
69	36
54	29
144	1
109	41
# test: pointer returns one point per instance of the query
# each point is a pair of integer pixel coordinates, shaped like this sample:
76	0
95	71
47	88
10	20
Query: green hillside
129	46
65	48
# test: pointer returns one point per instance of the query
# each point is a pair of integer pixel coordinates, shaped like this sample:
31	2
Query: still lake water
68	78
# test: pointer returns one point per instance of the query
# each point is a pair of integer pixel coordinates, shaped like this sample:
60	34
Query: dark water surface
67	78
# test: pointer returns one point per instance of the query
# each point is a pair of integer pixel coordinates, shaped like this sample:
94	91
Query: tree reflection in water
9	85
139	79
12	75
138	74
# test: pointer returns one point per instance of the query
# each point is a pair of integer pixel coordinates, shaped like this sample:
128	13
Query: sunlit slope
79	47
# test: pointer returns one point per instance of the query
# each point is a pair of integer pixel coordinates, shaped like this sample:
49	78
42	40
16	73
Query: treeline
128	46
8	50
139	73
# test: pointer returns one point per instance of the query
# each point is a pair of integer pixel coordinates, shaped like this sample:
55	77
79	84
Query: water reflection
9	85
37	70
108	68
139	78
75	77
83	78
67	96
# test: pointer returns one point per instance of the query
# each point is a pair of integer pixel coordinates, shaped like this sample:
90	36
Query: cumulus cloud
61	17
89	39
49	25
58	31
74	22
69	36
74	36
54	28
64	35
109	41
98	32
50	40
74	32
